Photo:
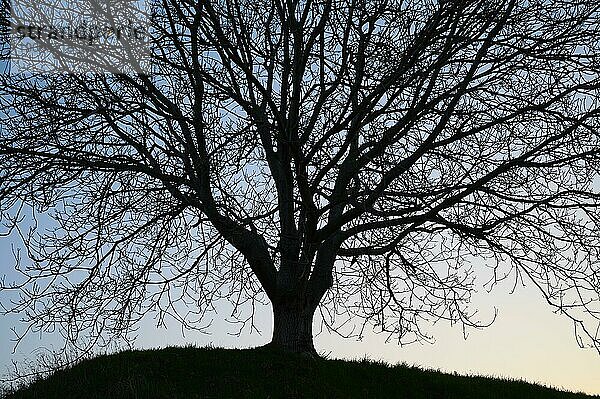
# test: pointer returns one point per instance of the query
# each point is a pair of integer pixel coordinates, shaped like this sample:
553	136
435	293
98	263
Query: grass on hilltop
264	373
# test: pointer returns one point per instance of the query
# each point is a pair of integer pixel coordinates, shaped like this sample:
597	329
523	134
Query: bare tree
357	157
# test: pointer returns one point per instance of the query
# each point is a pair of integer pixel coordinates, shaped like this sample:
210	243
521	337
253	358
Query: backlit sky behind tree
527	341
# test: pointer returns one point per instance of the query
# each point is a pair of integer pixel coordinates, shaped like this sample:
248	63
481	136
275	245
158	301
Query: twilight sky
527	341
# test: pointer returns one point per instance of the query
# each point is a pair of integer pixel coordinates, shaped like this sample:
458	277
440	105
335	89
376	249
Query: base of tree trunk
292	329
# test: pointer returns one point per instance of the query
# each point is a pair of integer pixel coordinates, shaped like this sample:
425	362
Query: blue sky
527	340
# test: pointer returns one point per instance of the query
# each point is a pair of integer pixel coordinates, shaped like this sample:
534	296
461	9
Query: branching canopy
367	157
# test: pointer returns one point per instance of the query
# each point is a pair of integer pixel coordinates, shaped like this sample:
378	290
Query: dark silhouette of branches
361	156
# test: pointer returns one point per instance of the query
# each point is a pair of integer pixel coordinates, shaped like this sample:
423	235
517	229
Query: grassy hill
264	373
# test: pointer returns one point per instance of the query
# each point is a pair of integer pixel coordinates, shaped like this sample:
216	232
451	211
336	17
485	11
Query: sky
527	341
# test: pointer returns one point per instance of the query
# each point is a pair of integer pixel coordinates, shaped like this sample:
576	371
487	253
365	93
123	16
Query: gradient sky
527	341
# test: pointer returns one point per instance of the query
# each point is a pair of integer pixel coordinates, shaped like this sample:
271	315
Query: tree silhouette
357	157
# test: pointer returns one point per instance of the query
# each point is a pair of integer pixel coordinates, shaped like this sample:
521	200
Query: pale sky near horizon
527	341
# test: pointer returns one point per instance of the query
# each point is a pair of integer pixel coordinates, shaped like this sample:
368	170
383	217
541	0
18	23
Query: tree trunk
292	327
